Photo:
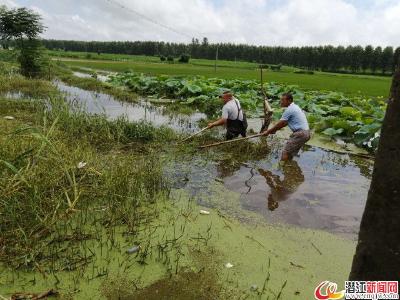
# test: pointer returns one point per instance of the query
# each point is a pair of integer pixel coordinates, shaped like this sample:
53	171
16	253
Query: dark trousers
234	128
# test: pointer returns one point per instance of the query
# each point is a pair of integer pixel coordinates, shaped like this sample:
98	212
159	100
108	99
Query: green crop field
149	59
348	84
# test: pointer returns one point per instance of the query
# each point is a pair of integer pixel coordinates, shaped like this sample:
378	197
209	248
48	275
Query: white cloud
267	22
8	3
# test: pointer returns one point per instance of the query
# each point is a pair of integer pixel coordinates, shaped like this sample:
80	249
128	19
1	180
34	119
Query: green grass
40	181
32	88
144	58
349	84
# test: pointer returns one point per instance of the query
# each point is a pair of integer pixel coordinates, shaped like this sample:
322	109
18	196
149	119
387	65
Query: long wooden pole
193	135
231	141
366	156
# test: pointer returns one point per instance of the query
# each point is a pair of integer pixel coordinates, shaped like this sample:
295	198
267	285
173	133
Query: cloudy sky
260	22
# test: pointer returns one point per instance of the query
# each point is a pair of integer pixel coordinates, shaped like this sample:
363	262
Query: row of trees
326	58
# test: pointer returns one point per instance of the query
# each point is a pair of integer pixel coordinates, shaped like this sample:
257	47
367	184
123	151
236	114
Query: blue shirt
295	117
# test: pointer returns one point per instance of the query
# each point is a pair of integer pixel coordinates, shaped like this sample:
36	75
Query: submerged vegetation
354	119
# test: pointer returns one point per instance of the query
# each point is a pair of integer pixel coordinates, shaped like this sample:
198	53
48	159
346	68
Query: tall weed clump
51	172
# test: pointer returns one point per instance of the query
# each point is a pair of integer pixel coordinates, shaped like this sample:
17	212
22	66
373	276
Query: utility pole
216	59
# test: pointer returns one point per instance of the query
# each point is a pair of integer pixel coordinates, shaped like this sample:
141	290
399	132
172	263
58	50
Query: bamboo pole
362	155
231	141
193	135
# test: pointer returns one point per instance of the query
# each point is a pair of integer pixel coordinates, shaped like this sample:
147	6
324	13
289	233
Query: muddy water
15	95
100	77
319	190
100	103
82	75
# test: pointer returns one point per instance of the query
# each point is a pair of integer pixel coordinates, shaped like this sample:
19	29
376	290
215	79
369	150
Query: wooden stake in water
193	135
232	141
267	107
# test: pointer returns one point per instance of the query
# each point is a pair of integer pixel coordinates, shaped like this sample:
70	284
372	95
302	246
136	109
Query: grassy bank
12	82
41	180
32	88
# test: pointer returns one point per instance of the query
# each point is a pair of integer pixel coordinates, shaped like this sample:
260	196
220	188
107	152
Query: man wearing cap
232	116
295	118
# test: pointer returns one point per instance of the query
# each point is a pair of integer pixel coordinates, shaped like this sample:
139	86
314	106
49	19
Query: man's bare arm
219	122
276	127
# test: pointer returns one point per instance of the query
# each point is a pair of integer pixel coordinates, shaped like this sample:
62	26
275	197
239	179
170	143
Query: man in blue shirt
295	118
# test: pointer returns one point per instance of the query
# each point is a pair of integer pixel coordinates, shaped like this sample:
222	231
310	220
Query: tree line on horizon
352	59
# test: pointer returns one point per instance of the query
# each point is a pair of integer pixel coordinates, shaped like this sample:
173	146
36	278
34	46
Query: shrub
275	67
184	58
162	58
304	72
170	58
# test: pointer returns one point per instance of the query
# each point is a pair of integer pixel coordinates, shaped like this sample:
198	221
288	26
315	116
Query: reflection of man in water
282	189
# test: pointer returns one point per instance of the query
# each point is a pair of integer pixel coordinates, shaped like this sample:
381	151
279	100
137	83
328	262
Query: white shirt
230	110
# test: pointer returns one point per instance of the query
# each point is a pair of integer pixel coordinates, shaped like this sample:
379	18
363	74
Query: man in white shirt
296	119
232	116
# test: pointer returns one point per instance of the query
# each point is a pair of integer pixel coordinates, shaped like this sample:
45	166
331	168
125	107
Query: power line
148	19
